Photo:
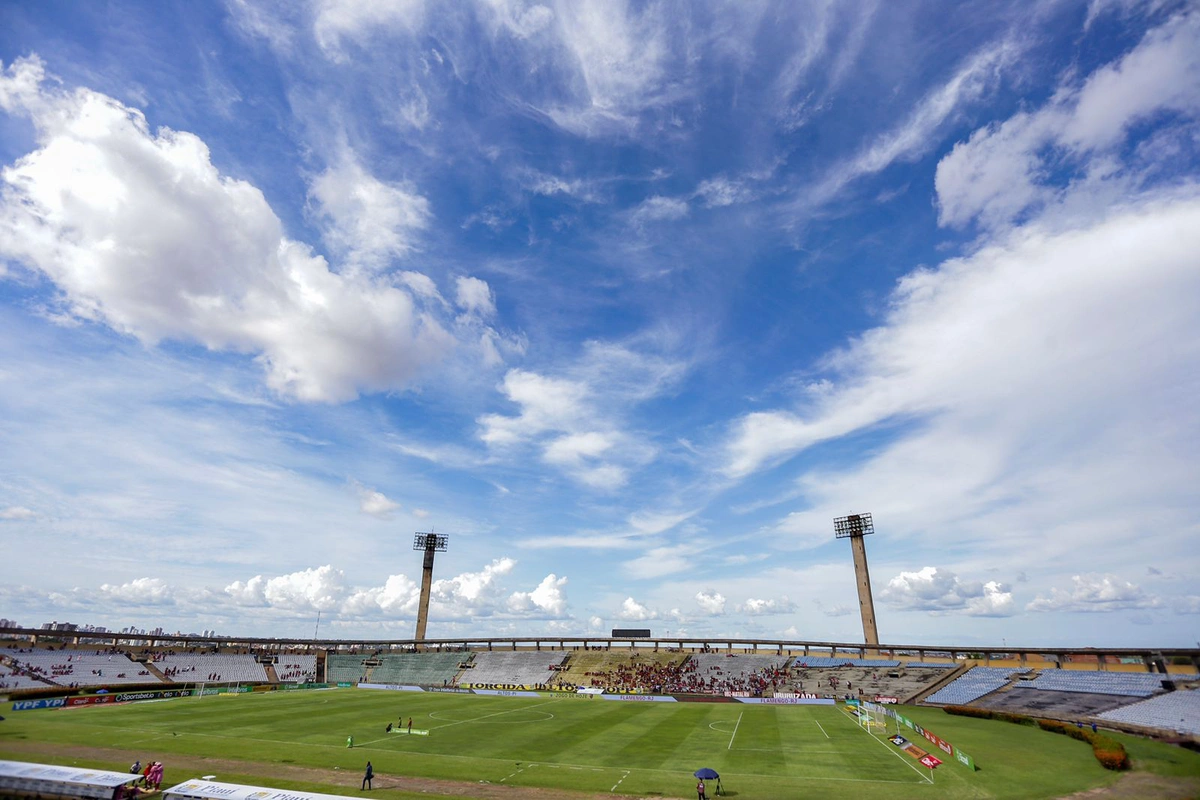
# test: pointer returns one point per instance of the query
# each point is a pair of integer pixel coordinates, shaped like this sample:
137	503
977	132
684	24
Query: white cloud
140	591
142	232
1042	337
721	192
367	222
759	606
334	20
1095	593
475	297
711	602
1189	604
914	136
559	416
375	503
1004	169
619	54
658	209
633	611
933	589
546	601
16	512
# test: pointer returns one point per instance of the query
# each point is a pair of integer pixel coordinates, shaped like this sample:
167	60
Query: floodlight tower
854	527
430	543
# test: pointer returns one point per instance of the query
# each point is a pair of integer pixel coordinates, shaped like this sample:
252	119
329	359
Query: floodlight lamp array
430	541
853	525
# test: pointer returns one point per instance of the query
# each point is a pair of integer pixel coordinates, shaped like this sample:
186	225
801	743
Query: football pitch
565	743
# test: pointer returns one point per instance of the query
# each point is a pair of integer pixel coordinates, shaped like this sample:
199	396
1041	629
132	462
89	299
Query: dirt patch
1143	786
183	767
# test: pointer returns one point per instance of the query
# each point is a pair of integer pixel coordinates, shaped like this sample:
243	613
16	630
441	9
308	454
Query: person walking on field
367	776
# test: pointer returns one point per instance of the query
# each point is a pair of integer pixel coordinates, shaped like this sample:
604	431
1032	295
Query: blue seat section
973	684
1132	684
826	662
1175	711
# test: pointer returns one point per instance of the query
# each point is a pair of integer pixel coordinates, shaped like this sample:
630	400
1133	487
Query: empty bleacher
1128	684
519	667
1175	711
347	667
418	669
972	685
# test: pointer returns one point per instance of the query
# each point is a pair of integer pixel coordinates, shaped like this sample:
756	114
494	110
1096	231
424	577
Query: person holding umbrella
706	773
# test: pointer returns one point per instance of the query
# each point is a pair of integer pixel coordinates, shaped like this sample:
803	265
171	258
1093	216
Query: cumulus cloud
1095	593
939	590
16	512
711	602
140	591
633	611
1005	168
317	589
140	230
546	601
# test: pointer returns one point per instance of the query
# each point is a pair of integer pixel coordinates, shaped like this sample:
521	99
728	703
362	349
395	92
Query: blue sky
631	300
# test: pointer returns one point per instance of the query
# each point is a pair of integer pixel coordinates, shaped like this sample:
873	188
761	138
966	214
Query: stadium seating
81	667
1131	684
419	669
519	667
1175	711
16	680
972	685
216	667
346	668
827	662
296	668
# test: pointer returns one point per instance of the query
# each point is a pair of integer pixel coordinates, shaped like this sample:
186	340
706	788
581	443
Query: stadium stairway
153	670
920	695
272	675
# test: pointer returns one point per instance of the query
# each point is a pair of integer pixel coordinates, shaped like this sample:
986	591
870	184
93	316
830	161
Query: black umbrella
704	773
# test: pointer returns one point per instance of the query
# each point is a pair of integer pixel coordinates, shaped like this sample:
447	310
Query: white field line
822	729
618	783
891	749
735	730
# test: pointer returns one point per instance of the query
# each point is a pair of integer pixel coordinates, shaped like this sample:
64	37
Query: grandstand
522	668
296	668
974	684
214	667
348	668
1173	711
1128	684
77	667
418	669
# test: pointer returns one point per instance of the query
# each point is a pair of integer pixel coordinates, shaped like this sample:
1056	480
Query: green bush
1109	752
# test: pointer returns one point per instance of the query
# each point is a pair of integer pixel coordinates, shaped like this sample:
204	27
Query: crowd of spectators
688	676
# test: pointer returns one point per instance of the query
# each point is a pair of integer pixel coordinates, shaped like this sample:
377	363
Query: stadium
629	715
630	299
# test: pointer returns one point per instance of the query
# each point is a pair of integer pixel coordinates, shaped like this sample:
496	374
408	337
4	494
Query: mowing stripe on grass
496	714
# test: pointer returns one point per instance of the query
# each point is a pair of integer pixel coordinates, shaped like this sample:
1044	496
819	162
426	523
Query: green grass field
566	743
